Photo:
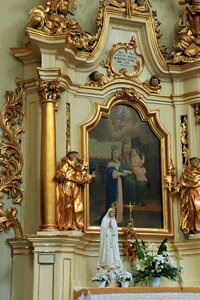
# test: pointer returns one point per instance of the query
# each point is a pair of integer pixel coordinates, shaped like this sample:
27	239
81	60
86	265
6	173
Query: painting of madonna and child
125	154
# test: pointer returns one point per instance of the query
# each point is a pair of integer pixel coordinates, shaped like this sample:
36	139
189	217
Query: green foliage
153	262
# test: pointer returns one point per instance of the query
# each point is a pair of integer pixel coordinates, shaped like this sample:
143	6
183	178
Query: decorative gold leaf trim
68	145
169	179
130	93
52	19
8	219
184	139
186	48
11	159
137	69
197	113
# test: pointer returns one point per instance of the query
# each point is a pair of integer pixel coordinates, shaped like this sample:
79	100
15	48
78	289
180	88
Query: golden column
49	91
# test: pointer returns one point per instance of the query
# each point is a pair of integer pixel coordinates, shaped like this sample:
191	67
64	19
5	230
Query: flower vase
112	277
100	284
154	281
125	284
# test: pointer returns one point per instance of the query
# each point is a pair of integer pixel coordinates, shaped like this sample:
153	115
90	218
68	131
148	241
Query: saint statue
188	189
72	174
109	257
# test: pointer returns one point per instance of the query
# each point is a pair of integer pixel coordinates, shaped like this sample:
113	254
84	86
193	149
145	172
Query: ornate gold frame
133	99
132	47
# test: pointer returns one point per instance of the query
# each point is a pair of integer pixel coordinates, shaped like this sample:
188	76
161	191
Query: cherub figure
97	79
153	85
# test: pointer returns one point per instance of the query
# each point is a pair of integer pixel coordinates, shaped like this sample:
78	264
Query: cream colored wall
13	20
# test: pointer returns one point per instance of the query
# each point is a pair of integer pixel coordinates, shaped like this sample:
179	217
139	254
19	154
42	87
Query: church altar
137	293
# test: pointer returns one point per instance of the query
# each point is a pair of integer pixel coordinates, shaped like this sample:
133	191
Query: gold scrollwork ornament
8	219
124	61
11	159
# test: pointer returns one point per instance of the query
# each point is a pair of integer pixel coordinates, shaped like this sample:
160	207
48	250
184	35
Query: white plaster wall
12	22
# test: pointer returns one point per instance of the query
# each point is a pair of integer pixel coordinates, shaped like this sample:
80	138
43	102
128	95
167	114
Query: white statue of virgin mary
109	258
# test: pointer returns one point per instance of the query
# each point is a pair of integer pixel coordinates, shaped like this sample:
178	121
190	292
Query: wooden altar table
116	293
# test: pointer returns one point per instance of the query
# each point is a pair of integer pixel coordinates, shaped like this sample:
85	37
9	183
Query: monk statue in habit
188	189
72	174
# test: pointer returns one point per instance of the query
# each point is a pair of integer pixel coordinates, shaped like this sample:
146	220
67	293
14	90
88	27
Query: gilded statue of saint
188	189
72	174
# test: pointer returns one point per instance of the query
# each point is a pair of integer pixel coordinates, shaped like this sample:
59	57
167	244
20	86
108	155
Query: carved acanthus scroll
11	159
184	139
8	219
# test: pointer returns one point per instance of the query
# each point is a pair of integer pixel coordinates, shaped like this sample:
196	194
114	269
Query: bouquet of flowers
153	262
99	277
124	276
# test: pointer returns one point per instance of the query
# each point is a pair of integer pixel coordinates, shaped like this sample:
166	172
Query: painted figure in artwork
115	173
129	182
138	169
188	189
72	174
137	165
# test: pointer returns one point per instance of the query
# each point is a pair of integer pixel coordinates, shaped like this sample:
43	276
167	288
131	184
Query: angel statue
72	174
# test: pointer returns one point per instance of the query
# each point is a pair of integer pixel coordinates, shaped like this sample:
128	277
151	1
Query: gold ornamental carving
129	93
8	219
49	91
52	19
187	47
184	140
11	158
124	61
68	145
197	113
141	6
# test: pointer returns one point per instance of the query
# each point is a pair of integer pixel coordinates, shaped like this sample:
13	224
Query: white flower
151	248
124	276
100	276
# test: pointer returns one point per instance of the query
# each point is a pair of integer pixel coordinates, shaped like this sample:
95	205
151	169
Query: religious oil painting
125	150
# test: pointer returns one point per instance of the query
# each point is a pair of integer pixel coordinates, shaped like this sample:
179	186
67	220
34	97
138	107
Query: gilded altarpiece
124	104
